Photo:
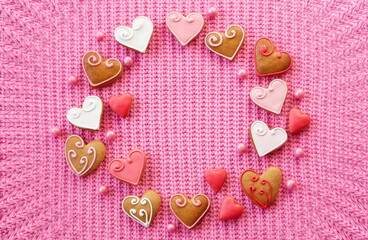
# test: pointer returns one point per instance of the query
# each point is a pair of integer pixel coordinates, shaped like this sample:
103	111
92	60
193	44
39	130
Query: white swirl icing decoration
72	156
142	212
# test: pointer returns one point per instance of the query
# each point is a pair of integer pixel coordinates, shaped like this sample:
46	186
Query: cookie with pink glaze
185	29
272	98
298	120
129	170
215	178
121	104
230	209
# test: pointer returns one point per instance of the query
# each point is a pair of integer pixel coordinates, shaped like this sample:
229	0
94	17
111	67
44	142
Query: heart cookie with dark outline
268	60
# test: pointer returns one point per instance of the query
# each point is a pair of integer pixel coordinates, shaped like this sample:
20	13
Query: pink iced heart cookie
230	209
185	29
271	98
129	170
215	178
298	120
121	104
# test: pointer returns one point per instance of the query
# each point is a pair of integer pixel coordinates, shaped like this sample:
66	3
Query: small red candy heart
121	104
215	178
230	209
298	120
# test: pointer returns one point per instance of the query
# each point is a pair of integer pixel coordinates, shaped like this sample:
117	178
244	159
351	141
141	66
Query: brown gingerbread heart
101	72
144	209
261	189
82	158
189	211
226	44
268	60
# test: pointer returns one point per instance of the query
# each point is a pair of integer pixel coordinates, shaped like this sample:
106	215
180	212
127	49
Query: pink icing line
181	195
95	85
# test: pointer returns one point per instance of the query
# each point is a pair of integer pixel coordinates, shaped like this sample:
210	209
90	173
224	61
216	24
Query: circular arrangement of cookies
261	188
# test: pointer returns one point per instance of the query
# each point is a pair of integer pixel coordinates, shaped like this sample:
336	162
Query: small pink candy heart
271	98
129	170
215	178
121	104
298	120
185	29
230	209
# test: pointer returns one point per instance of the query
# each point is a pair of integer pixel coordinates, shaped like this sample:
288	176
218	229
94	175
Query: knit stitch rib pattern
190	111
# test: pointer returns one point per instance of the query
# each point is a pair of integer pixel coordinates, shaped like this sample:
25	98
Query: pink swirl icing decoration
109	64
94	59
181	202
196	203
117	165
263	49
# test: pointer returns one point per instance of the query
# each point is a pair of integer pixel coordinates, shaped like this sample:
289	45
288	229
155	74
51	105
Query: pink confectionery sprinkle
103	190
110	135
100	36
242	148
242	74
291	184
128	61
299	93
73	80
212	13
171	227
56	131
299	153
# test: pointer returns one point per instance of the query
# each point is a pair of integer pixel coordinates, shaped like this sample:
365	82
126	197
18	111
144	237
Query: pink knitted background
190	112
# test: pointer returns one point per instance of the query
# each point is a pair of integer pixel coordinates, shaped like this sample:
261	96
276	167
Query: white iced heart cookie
266	140
138	36
271	98
89	116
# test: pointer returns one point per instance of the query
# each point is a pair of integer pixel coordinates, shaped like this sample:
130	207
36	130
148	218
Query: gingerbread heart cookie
144	209
266	140
82	158
261	189
138	36
226	44
189	211
268	60
129	170
271	98
185	29
101	72
89	116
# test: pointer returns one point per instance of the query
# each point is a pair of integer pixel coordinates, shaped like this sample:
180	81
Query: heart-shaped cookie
266	140
271	98
189	211
230	209
138	36
215	178
89	116
261	189
129	170
226	44
121	104
101	72
298	120
268	60
144	209
185	29
81	158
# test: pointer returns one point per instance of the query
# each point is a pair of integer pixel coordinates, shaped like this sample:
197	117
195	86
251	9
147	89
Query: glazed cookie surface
81	158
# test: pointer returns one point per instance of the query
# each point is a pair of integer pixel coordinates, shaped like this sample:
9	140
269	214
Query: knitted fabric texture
189	114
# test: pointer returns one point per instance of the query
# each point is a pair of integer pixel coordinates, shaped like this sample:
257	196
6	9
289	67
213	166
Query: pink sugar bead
110	135
212	12
242	74
100	36
56	131
171	227
299	153
103	190
299	93
291	184
73	80
128	61
242	148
